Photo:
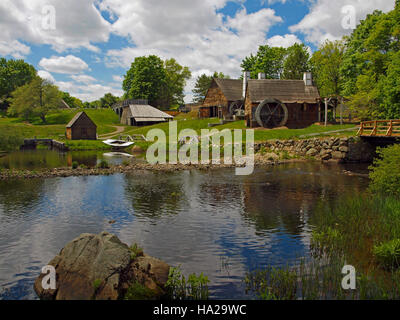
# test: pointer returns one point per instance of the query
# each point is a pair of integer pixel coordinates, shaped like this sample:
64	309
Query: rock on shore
101	267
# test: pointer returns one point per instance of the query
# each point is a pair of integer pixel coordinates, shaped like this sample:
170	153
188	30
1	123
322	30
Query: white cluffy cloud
193	32
283	41
88	92
78	24
68	65
325	18
46	75
14	48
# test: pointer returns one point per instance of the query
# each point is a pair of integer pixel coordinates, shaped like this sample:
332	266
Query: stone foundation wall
338	149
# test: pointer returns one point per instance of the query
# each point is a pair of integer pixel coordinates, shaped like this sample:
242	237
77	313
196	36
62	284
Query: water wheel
271	113
235	106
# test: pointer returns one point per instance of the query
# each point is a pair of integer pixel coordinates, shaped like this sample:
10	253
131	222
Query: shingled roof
231	88
76	117
147	113
286	91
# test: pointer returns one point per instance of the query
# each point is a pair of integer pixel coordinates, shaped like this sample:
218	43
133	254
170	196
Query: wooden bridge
32	143
380	128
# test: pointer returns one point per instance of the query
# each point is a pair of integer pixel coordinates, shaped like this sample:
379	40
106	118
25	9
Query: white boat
117	154
118	144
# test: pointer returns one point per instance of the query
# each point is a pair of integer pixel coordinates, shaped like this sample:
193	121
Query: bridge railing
381	128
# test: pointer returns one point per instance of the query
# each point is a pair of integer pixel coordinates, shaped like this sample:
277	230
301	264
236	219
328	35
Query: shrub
136	251
385	172
388	253
75	165
262	150
103	164
139	292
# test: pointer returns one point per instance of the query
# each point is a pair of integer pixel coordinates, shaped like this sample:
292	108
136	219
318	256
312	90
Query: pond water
42	158
212	222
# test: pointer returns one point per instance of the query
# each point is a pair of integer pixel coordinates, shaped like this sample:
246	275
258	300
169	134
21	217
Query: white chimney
308	79
246	77
261	75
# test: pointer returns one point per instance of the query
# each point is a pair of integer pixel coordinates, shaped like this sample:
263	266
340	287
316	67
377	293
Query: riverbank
132	167
259	161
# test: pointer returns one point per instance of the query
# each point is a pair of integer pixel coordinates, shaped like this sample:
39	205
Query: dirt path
111	134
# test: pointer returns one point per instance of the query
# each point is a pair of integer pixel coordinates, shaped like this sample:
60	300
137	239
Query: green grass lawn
106	120
260	134
54	128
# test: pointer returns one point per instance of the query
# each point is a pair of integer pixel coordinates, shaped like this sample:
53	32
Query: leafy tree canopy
172	93
296	62
37	98
268	60
371	66
325	66
161	82
73	102
202	84
13	74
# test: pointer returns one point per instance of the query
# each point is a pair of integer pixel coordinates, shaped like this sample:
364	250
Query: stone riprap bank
337	149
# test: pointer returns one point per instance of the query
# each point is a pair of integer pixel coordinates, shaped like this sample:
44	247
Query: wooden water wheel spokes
271	113
235	106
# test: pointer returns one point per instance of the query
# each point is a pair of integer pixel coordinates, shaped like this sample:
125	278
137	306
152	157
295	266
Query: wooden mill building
264	102
140	113
81	127
275	103
221	94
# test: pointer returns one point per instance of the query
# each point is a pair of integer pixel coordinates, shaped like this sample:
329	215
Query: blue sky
86	46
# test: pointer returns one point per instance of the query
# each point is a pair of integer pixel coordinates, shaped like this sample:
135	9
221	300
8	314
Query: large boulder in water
102	267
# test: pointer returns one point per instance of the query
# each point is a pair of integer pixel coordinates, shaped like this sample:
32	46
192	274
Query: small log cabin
81	127
273	103
221	94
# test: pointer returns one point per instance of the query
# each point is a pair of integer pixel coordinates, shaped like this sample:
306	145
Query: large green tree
296	62
145	79
161	82
371	66
202	84
172	92
325	66
268	60
13	74
108	100
73	102
36	98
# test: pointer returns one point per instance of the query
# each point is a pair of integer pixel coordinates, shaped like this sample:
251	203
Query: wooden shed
81	127
273	103
222	94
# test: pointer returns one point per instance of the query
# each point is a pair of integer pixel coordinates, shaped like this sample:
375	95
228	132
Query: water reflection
41	158
212	222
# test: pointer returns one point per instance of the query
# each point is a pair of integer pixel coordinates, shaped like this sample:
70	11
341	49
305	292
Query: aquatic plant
193	288
136	251
388	253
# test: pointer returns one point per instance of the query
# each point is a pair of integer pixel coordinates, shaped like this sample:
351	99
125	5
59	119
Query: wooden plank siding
300	114
81	127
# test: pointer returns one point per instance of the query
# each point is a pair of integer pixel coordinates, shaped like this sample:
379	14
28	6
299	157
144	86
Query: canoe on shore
118	144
